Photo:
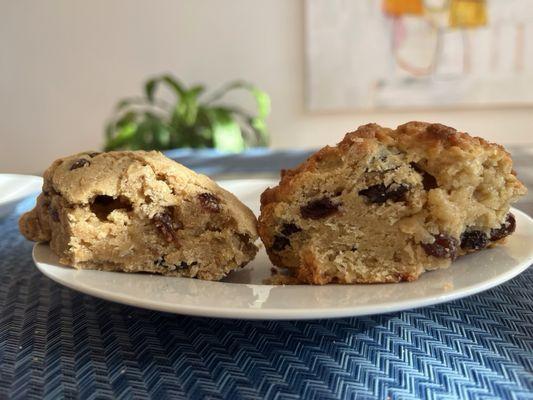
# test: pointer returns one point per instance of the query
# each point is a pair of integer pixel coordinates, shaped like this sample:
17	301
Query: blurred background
307	72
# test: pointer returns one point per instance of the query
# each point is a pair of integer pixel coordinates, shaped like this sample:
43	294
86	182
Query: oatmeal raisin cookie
140	212
385	205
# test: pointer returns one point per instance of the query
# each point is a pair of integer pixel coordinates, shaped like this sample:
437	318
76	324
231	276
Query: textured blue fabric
58	343
253	161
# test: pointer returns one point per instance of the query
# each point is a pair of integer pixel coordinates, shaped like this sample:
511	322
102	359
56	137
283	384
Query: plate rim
290	313
32	179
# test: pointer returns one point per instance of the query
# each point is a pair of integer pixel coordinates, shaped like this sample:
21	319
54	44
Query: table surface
58	343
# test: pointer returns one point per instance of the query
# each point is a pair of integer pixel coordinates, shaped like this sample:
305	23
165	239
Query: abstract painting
386	54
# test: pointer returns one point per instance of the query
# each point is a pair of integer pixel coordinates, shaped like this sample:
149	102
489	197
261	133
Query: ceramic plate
14	188
243	295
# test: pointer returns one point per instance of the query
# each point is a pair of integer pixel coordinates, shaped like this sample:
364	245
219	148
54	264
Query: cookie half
386	205
140	212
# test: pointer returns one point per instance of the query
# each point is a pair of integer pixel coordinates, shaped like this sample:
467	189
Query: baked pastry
386	205
140	212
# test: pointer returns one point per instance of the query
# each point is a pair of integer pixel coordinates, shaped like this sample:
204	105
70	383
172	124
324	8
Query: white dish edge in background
243	296
14	188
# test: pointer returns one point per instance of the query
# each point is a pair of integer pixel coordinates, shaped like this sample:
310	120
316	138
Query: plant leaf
260	129
161	137
149	88
263	102
142	140
262	99
174	84
153	123
139	102
258	122
189	104
151	85
126	103
227	135
121	137
117	130
254	128
197	89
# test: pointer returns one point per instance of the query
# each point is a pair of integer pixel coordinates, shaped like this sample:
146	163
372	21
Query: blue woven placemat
257	161
58	343
55	342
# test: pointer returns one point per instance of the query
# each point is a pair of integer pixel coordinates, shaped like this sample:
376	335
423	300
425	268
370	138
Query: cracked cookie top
434	145
148	179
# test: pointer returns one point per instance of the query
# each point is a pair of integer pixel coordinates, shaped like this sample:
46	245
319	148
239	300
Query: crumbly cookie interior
192	238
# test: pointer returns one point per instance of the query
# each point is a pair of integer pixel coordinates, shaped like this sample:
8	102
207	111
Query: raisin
444	246
166	225
81	162
289	229
380	193
209	202
505	229
280	242
54	214
375	193
161	262
398	192
474	240
319	208
428	180
183	264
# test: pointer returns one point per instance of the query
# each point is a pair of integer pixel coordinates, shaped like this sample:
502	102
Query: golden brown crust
428	137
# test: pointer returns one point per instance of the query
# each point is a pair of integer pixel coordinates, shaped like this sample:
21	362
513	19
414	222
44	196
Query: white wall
64	63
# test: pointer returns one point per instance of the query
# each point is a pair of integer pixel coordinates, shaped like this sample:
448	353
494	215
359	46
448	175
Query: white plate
243	295
14	188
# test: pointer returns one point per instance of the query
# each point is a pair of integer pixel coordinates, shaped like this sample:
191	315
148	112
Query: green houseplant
195	119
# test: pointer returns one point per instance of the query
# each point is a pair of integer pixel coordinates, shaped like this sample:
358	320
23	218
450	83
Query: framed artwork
396	54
